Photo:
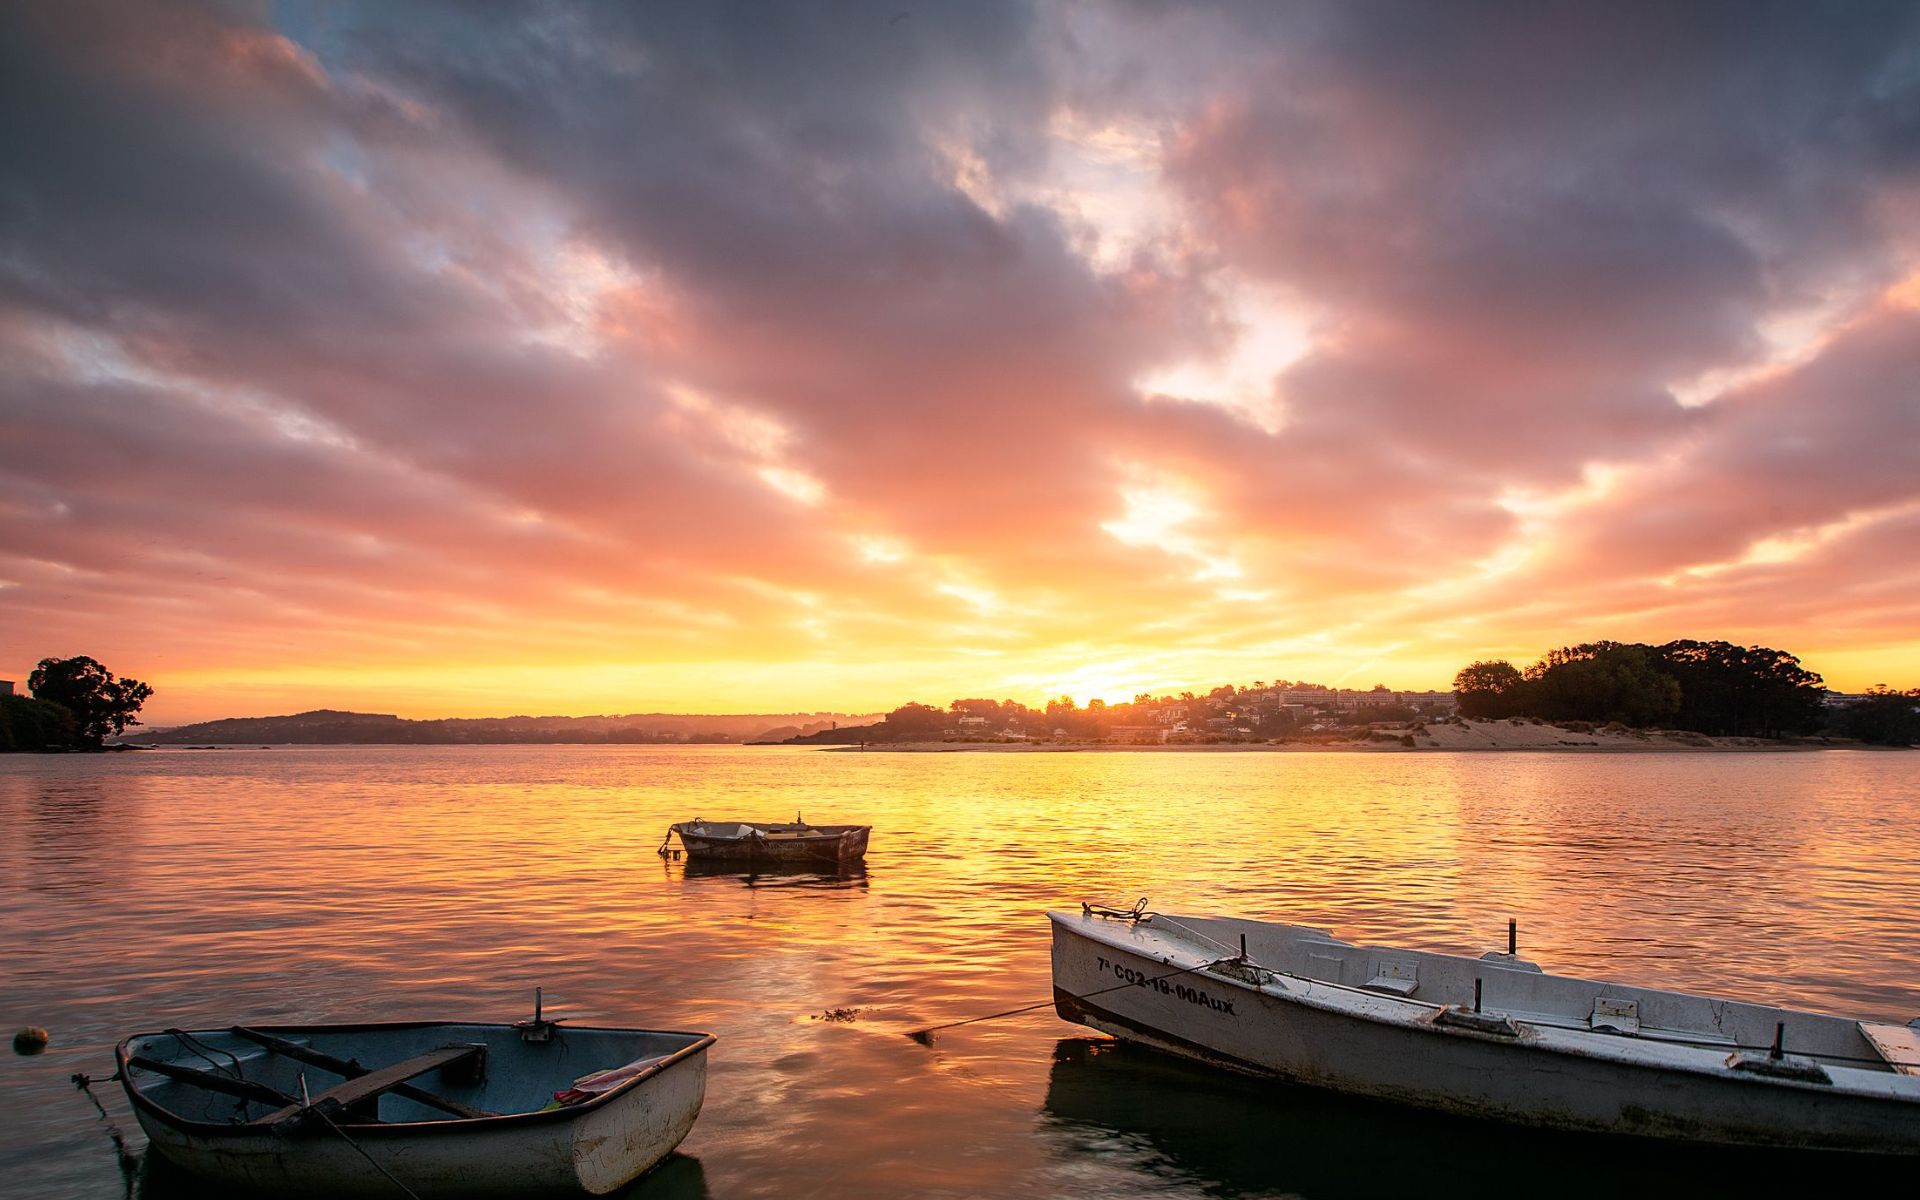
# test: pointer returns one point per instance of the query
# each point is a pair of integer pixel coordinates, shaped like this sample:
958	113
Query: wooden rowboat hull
749	841
594	1147
1312	1020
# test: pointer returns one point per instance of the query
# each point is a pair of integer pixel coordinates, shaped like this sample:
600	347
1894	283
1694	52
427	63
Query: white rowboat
1541	1050
442	1109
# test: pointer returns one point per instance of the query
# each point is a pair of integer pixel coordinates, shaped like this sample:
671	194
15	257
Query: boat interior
770	829
379	1074
1510	986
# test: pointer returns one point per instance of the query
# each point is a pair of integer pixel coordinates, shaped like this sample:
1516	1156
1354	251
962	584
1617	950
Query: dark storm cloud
1534	219
162	165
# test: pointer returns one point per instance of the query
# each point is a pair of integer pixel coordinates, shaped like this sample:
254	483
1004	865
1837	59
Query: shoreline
1501	736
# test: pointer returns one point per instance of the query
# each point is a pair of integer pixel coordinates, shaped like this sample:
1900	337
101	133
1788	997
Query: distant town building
6	687
973	722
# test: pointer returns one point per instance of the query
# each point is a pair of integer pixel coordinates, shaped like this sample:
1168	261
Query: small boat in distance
438	1108
769	841
1493	1037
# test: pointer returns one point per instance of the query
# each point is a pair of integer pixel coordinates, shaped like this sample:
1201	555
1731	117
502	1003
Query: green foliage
1602	681
1713	688
1883	717
100	704
1488	689
34	725
1730	690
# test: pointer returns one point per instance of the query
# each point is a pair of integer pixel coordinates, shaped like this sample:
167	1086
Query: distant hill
327	726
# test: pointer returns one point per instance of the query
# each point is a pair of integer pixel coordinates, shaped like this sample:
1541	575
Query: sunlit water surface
201	888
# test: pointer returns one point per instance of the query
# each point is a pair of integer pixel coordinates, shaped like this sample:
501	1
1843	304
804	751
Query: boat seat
1561	1020
373	1083
1617	1016
1397	977
1324	967
1898	1044
348	1069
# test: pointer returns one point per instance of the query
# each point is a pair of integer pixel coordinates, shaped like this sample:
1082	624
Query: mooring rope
925	1036
1195	933
328	1122
1137	913
125	1158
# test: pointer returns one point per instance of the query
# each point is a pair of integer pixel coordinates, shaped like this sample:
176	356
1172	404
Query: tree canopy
915	718
1883	717
1709	687
1603	681
99	703
1488	689
34	725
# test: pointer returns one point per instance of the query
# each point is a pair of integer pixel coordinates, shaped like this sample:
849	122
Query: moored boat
770	841
1491	1037
440	1108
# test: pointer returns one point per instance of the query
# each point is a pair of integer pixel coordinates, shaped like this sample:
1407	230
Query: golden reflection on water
197	888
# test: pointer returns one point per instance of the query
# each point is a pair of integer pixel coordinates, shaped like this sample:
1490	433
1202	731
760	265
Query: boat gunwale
758	830
1623	1049
143	1102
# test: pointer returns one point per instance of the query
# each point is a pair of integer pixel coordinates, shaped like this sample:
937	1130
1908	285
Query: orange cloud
791	363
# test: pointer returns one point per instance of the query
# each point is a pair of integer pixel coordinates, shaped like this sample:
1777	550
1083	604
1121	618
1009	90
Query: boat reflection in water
1217	1133
152	1177
773	875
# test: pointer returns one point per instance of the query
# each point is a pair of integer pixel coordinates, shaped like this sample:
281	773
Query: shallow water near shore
200	888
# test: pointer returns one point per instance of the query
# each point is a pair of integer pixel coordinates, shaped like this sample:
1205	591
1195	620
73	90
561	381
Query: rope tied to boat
925	1036
85	1083
205	1053
128	1161
1137	913
328	1122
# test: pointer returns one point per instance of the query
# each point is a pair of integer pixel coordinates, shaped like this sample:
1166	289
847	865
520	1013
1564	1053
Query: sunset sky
451	359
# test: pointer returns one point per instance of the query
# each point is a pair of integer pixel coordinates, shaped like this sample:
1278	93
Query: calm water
181	888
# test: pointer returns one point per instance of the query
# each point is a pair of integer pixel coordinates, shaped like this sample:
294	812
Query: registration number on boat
1165	986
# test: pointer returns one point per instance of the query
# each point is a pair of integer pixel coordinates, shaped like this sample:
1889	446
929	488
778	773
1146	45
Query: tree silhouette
1883	717
1488	689
100	704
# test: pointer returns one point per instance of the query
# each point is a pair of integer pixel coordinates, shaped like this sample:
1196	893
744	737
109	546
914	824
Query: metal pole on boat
536	1006
1476	994
1243	947
1513	937
1779	1039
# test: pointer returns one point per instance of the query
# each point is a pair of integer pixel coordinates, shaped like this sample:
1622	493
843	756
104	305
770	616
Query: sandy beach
1460	735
